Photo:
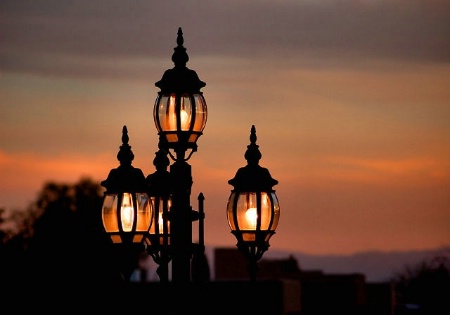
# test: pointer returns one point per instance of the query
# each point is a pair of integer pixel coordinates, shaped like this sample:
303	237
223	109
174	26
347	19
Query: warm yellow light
251	217
184	119
109	213
171	114
127	212
160	222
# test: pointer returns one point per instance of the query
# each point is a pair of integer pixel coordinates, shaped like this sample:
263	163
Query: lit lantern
253	210
180	110
127	210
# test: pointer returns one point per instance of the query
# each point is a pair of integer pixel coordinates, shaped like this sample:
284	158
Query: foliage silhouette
424	288
59	239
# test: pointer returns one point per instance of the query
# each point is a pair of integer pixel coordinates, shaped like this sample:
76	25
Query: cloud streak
51	37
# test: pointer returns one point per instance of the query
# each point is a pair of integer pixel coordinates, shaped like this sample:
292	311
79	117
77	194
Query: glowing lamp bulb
160	222
251	217
184	120
127	213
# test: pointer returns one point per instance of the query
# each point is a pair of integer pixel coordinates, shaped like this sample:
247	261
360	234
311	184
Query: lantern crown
125	177
180	79
253	177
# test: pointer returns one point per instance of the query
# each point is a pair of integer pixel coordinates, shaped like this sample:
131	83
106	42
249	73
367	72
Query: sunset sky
350	100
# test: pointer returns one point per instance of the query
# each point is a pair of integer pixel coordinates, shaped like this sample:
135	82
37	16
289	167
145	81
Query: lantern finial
180	57
125	155
253	155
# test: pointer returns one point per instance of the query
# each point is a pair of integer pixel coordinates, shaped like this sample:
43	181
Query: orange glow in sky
351	107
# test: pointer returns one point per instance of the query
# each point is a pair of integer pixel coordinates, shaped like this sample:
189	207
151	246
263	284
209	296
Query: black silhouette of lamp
159	191
132	202
253	210
127	210
180	115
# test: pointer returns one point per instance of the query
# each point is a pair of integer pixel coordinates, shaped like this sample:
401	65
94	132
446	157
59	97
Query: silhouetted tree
60	239
12	249
3	231
425	287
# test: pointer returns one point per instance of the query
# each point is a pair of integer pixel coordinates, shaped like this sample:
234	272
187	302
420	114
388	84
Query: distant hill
377	266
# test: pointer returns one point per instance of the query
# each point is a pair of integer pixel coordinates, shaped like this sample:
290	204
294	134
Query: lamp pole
181	222
180	115
159	191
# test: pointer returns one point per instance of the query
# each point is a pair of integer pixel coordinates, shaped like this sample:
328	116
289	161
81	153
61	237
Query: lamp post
159	191
180	115
253	210
127	210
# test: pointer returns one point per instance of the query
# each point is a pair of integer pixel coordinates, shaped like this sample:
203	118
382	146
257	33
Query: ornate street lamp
253	210
159	190
132	201
180	115
126	211
180	110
